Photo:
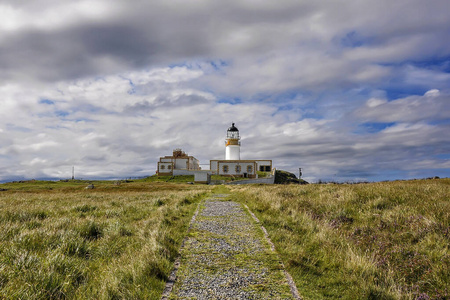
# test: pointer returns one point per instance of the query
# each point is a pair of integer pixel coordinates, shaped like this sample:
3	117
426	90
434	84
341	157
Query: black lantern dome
232	128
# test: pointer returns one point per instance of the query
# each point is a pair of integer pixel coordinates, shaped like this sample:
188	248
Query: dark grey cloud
79	52
158	33
165	101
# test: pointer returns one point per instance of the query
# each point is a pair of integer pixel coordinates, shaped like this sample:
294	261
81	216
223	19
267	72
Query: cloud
47	15
346	89
430	107
114	37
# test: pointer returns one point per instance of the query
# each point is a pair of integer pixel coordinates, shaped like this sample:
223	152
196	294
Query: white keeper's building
178	161
232	165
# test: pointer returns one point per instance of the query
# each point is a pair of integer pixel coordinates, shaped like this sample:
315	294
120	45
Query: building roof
233	128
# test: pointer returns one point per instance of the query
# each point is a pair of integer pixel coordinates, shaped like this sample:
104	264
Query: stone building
178	161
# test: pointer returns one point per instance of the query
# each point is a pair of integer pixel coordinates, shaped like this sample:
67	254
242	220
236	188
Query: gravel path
226	256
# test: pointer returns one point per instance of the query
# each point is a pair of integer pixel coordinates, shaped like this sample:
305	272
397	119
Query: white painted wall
232	152
181	163
165	167
232	168
213	165
202	177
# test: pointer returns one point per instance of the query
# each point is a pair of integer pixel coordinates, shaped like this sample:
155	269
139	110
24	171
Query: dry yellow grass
385	240
58	240
367	241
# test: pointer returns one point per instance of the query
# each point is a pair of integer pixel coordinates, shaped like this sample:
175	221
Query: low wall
177	172
267	180
200	176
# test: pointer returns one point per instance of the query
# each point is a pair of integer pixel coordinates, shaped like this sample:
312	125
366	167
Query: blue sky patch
436	63
62	113
353	40
233	101
219	64
444	156
440	122
132	90
373	127
85	120
398	92
46	101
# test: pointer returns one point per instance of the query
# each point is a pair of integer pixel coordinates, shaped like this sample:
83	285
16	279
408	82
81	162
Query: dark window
261	168
238	169
225	169
163	167
267	169
249	169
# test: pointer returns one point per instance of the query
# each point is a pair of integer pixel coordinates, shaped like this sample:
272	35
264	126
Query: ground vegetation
118	240
386	240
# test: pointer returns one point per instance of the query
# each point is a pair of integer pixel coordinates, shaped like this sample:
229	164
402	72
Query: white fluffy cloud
430	107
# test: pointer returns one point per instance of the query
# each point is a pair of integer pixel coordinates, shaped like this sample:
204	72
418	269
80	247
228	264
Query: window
225	169
233	134
249	169
265	168
163	167
169	167
238	169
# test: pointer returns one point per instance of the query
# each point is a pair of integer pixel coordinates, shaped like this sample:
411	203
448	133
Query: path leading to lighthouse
227	256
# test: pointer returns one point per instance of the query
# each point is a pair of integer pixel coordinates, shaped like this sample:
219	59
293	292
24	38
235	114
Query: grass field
117	241
385	240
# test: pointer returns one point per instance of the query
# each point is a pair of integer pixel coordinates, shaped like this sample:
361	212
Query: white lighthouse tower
232	144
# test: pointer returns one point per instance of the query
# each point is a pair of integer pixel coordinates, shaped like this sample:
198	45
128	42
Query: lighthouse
182	164
232	144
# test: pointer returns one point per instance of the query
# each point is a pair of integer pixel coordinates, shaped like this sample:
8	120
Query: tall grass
114	242
368	241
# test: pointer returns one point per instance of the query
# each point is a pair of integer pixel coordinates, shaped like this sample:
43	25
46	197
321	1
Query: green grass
46	186
226	178
59	240
367	241
263	174
173	179
39	185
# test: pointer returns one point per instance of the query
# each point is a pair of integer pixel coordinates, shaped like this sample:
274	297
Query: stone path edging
173	275
291	282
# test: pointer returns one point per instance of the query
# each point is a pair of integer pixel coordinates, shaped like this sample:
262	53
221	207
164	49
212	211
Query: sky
347	90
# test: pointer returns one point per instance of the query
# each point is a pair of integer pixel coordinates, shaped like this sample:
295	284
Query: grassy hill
284	177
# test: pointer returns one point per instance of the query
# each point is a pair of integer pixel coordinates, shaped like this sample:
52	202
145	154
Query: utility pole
73	172
299	173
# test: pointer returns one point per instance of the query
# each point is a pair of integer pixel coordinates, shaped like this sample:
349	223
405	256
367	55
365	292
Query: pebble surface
226	256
